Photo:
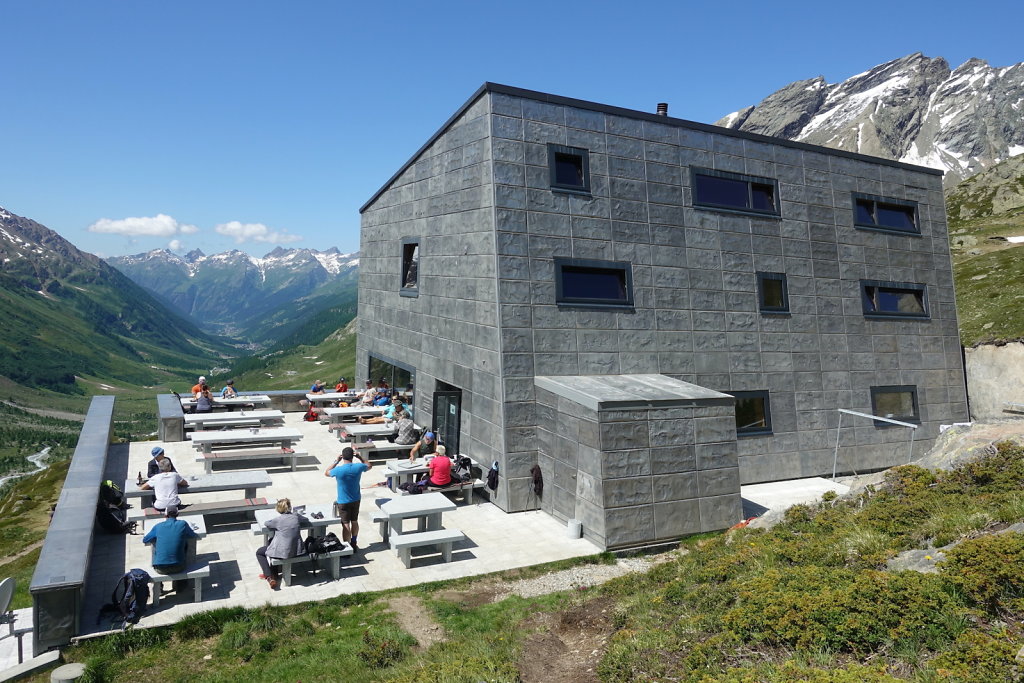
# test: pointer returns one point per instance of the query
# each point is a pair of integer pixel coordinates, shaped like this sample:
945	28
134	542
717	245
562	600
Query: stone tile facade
479	198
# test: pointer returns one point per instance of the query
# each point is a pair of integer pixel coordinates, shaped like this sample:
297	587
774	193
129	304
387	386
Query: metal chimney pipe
662	108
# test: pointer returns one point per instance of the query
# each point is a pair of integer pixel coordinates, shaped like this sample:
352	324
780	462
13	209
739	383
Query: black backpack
114	520
462	470
131	595
111	494
321	545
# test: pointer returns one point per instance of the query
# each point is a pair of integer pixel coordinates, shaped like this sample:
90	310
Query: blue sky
274	122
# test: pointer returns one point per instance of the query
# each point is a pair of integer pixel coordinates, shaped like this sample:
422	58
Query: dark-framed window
897	402
885	214
893	299
735	192
398	375
410	267
772	293
592	282
753	413
569	168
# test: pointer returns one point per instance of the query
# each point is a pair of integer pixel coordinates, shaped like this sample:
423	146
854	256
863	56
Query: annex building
655	311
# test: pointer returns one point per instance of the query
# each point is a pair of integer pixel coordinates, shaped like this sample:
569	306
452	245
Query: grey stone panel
718	482
630	491
720	512
676	519
677	486
629	526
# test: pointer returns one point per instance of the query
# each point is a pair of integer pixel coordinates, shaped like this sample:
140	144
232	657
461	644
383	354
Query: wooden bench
333	557
442	538
196	573
219	507
208	459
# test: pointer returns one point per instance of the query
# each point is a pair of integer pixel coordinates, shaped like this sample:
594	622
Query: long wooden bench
208	459
333	558
215	508
195	573
442	538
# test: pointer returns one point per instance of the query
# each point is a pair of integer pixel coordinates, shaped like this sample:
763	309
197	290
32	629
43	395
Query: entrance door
447	413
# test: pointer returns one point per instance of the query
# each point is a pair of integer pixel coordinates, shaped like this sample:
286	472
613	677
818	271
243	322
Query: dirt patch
480	593
567	645
415	620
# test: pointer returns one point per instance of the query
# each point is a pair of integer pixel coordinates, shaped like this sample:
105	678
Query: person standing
348	474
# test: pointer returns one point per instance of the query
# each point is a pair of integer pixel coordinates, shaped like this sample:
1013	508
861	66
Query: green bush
384	645
792	672
999	471
977	657
987	568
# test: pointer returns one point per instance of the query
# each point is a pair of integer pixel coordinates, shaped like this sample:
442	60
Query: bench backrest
58	583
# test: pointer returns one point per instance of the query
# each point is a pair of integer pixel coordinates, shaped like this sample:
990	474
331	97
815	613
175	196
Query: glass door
447	413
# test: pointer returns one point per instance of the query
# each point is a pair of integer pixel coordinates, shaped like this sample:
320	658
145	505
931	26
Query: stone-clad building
654	310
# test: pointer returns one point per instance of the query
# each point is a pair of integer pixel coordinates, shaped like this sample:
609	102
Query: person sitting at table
198	385
383	398
390	413
169	537
153	468
165	486
348	474
229	390
204	399
440	468
424	447
341	387
287	542
406	430
318	387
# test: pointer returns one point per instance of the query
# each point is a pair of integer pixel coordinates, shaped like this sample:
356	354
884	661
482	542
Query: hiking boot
273	583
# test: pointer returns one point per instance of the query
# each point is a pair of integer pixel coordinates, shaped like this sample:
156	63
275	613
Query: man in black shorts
348	474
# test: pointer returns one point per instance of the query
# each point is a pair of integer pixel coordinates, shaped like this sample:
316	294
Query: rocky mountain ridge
914	109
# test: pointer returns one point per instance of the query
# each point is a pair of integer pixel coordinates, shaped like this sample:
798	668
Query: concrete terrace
496	540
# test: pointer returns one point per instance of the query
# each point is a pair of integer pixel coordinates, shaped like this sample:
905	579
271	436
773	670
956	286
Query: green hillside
984	211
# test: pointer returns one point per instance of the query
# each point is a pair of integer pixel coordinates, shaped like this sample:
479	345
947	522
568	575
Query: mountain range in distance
260	301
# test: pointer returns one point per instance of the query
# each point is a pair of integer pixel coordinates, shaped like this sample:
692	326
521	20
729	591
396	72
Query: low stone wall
995	375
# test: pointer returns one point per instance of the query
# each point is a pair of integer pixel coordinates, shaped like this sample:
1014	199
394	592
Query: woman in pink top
440	467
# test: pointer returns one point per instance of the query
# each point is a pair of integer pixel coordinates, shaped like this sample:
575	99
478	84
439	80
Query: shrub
384	645
987	568
1002	470
977	657
792	671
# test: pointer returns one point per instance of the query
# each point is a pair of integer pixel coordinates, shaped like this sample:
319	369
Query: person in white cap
198	385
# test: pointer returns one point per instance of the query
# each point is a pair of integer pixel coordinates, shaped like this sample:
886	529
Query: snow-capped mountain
914	109
236	293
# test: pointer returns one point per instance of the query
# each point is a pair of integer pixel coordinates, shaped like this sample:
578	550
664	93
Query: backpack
462	471
413	486
321	545
131	595
111	494
114	520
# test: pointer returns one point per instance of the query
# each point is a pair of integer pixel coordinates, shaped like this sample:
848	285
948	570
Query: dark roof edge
644	116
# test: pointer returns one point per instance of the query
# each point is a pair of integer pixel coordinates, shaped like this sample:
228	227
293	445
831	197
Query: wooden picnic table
306	521
426	508
360	433
279	436
240	418
240	400
248	481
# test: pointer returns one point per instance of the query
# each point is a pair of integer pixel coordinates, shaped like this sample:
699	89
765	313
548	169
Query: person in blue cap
153	468
425	446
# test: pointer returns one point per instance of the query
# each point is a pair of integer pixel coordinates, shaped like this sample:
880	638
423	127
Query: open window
893	299
772	293
410	267
885	214
569	168
592	282
735	192
753	413
895	403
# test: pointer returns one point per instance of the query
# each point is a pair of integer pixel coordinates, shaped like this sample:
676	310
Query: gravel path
580	577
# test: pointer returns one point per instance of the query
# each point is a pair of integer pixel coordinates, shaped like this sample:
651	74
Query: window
724	190
895	403
397	375
887	215
586	282
410	267
569	168
753	414
772	293
893	299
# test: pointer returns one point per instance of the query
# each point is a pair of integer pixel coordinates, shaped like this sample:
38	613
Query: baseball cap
156	451
171	511
201	378
428	435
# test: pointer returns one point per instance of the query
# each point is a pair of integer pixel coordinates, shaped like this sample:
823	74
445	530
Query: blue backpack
131	595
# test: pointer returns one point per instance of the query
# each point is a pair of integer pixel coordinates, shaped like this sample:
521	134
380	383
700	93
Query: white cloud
175	245
254	232
160	225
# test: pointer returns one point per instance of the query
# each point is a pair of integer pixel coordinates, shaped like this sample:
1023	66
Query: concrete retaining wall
995	375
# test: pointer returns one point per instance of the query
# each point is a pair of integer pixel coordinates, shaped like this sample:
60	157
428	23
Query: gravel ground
581	577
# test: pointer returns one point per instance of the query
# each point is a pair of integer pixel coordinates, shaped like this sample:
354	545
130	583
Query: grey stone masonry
487	318
638	459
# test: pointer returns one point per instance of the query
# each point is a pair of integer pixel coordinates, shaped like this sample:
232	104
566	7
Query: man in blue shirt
348	474
170	537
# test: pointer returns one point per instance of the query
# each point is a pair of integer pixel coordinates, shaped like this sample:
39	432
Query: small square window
734	191
885	214
772	293
588	282
895	403
894	299
753	413
410	267
569	168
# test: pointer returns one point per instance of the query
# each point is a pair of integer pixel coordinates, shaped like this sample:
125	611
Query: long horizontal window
894	299
885	214
753	413
591	282
895	403
724	190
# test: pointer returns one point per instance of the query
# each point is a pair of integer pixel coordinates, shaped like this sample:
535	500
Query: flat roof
601	392
635	114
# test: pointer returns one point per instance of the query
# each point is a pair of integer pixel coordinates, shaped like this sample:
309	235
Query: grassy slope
804	601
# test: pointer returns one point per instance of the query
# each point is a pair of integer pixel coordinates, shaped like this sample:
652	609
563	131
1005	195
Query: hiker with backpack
169	538
286	541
